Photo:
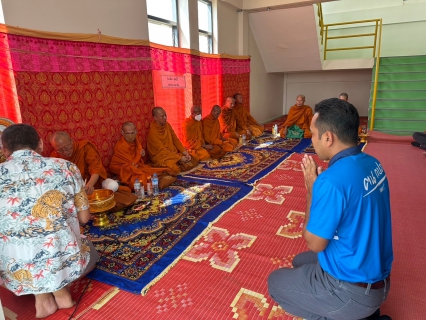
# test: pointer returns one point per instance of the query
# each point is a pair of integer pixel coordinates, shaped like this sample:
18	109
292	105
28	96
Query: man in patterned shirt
42	201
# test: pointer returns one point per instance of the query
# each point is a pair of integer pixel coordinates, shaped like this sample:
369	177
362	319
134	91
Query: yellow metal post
375	38
325	45
376	79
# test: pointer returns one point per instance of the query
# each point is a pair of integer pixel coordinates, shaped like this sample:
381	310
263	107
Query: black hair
339	117
20	136
236	95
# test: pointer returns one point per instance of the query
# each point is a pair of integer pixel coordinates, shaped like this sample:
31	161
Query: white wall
227	36
266	89
317	86
404	25
119	18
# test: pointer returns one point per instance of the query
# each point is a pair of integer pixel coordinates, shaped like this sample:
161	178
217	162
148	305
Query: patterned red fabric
90	105
88	89
9	107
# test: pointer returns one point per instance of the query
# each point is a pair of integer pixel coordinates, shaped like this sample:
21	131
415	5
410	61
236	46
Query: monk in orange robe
127	162
299	115
193	136
212	134
87	159
247	122
228	120
164	147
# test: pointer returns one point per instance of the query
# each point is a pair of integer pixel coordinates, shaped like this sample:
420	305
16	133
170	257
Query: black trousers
420	138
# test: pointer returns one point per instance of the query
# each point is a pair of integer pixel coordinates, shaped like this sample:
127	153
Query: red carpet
406	170
22	307
224	275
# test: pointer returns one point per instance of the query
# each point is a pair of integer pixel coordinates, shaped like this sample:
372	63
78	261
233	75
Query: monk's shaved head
215	112
156	110
195	110
128	130
62	143
60	135
128	125
300	100
159	115
230	102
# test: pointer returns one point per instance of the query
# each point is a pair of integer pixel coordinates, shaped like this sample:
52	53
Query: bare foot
63	298
45	305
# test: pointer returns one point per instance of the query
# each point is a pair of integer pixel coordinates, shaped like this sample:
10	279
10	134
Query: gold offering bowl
100	201
363	137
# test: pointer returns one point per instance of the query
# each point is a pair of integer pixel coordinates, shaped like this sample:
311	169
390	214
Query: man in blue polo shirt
347	227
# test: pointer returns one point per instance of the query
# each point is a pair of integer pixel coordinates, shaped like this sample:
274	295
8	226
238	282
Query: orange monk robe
300	116
247	122
87	159
165	149
212	135
193	138
128	165
228	124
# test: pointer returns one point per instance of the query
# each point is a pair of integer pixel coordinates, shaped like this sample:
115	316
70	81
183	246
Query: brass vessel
100	202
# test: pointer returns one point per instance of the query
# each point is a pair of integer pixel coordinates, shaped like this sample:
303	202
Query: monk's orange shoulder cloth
192	134
228	120
125	153
242	116
211	131
163	145
299	116
87	159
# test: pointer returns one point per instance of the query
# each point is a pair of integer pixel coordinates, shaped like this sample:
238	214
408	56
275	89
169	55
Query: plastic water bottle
149	186
275	130
155	189
138	190
244	139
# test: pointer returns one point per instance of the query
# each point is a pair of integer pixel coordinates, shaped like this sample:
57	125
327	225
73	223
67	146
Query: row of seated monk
204	139
211	138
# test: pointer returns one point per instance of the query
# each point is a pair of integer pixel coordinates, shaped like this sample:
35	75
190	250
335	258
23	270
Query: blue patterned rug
267	141
245	165
143	241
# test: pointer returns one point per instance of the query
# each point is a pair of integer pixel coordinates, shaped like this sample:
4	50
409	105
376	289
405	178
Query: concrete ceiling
287	38
265	5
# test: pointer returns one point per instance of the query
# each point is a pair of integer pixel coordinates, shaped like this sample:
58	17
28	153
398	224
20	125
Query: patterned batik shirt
41	249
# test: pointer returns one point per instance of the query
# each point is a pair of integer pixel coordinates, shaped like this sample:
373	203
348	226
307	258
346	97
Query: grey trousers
307	291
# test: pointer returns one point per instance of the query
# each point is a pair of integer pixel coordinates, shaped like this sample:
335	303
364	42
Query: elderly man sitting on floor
165	148
87	159
127	162
212	134
299	118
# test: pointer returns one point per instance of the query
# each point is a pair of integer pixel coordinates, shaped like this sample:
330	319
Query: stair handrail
376	78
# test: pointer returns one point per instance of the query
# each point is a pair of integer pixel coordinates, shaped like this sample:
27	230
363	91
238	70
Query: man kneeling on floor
347	227
42	201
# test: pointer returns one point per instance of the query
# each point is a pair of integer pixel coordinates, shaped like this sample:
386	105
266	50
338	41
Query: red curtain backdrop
86	89
209	79
9	107
90	87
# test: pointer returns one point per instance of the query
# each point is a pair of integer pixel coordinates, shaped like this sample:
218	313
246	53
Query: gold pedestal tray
363	137
100	201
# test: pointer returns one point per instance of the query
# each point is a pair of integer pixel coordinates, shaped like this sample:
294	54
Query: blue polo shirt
351	208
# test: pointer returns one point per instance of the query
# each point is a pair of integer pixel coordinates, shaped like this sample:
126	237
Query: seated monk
127	162
247	122
87	159
164	147
193	136
299	115
212	135
228	120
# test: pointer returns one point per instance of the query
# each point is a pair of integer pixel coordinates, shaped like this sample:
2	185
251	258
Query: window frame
169	23
209	34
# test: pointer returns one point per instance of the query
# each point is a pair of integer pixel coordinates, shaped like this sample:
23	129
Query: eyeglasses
64	149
